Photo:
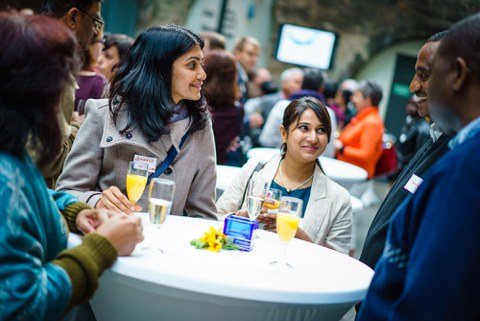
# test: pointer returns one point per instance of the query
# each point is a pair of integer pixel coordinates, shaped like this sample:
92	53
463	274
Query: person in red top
360	143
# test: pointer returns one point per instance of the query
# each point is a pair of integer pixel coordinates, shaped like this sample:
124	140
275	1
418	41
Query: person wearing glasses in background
83	18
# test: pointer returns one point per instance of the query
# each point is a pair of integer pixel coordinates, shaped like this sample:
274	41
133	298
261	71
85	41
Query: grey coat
100	156
328	216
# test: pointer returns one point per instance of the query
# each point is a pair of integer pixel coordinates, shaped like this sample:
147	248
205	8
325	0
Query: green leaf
197	243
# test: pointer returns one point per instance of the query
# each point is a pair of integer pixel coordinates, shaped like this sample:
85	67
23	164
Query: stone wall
365	27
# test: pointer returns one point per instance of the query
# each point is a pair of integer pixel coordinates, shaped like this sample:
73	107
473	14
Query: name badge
413	183
151	161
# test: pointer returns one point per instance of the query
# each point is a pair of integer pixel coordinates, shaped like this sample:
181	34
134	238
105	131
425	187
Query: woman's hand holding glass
113	199
256	193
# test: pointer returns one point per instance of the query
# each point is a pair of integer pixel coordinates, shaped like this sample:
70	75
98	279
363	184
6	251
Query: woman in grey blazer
155	99
327	218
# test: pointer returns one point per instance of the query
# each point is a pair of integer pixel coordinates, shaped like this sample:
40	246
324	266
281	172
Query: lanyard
171	154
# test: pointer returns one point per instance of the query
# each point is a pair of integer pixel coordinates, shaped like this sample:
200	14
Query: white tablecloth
341	172
189	284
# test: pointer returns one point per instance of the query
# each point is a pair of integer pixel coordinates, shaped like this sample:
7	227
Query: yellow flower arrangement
214	241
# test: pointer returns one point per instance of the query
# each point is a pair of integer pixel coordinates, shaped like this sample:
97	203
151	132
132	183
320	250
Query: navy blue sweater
429	269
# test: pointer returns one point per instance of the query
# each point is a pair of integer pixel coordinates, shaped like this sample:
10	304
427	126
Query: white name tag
151	161
413	183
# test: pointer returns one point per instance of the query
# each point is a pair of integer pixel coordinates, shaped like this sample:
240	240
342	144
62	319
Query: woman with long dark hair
155	105
39	278
327	212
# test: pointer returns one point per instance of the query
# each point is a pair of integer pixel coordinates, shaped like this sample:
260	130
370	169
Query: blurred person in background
247	52
414	134
115	47
40	279
213	41
259	108
222	94
330	92
91	84
360	142
84	20
343	102
155	106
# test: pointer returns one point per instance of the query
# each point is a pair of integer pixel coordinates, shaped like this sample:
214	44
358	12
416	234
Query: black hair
330	90
312	79
463	40
437	37
297	107
123	43
57	8
37	63
143	82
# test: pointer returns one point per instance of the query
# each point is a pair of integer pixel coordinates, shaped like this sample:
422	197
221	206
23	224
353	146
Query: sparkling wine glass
288	217
137	176
257	190
160	198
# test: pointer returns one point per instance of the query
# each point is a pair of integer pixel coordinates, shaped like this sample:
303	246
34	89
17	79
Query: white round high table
185	283
341	172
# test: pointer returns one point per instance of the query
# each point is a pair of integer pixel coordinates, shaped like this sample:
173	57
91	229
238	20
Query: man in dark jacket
429	269
411	176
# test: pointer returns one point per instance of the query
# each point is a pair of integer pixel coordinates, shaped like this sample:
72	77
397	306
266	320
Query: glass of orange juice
273	200
288	218
137	176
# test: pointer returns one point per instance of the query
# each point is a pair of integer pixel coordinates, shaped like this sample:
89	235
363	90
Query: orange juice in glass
273	200
137	176
288	218
287	226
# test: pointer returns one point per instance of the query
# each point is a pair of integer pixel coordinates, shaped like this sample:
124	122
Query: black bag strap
260	165
171	154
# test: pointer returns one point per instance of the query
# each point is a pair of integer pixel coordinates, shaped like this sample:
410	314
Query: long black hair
37	62
143	82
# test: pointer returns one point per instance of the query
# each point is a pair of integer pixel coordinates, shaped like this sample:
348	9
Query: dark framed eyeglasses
97	21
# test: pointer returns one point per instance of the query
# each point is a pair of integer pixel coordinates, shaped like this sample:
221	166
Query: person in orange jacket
360	143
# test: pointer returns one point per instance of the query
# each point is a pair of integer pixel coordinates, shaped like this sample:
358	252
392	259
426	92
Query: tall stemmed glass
257	190
288	217
137	176
160	198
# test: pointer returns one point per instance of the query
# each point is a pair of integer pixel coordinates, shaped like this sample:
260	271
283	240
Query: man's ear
461	72
71	18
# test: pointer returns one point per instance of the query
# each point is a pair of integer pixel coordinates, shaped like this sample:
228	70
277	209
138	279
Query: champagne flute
288	218
137	176
160	198
257	190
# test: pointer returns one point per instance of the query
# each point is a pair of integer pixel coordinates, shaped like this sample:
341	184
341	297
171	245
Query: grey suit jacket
100	156
328	216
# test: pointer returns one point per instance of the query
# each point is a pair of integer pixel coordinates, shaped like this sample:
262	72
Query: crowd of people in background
197	105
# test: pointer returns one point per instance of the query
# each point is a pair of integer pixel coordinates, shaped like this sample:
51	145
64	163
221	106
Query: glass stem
283	256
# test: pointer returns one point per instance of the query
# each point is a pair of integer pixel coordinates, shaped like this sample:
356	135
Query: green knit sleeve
84	264
70	214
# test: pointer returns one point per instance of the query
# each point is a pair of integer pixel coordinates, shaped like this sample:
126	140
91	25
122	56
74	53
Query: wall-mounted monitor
305	46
